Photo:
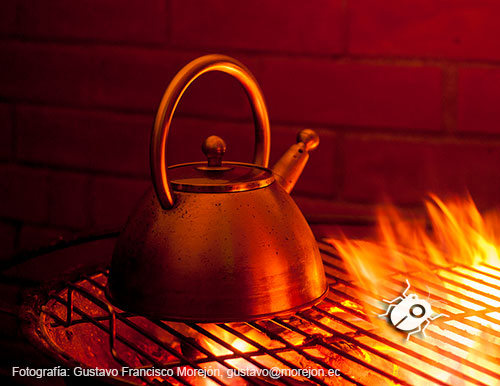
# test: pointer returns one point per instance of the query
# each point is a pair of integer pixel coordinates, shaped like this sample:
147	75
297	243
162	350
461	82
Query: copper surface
289	167
229	177
217	257
233	247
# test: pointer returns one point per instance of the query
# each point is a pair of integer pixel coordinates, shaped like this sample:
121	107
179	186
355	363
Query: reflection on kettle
218	241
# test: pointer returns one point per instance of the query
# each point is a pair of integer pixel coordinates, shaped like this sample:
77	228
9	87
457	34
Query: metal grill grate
79	322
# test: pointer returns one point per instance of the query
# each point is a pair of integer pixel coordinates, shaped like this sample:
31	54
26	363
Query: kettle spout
289	167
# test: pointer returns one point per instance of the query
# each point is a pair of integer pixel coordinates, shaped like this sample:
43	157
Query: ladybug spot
417	311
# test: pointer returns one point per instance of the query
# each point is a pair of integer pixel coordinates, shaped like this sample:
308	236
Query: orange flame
455	252
456	239
456	234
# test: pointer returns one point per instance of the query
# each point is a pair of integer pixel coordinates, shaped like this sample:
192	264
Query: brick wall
404	94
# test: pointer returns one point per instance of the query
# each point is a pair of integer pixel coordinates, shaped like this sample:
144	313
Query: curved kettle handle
169	103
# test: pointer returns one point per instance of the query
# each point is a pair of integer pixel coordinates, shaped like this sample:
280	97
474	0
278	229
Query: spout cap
309	138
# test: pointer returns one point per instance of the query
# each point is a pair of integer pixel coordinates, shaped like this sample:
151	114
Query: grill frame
32	316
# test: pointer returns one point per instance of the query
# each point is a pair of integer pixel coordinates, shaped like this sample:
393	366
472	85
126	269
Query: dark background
405	95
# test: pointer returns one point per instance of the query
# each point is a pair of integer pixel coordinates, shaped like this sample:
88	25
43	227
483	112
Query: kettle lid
215	176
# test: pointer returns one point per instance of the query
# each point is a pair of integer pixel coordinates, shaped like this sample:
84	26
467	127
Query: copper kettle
218	241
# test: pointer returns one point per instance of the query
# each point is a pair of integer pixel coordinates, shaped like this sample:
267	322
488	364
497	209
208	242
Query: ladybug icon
410	313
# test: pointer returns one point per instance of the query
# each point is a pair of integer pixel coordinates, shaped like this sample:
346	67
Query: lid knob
214	148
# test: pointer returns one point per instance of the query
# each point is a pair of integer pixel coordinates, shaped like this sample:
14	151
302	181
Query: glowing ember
452	261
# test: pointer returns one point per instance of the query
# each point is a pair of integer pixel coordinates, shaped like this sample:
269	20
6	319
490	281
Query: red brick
112	200
375	168
471	167
33	237
8	17
23	193
305	27
77	75
339	232
101	141
7	240
50	74
5	131
92	140
217	95
69	200
328	211
326	92
104	21
137	79
445	29
478	96
112	77
405	172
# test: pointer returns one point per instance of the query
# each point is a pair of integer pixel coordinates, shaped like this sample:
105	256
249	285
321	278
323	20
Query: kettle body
217	241
217	257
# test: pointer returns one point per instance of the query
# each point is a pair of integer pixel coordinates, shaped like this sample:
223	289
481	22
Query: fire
456	235
452	259
235	342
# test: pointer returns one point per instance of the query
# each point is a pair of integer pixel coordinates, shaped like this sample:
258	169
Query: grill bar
430	333
492	268
263	349
300	350
123	340
465	311
454	304
182	360
339	309
395	346
159	343
237	354
444	339
370	349
469	277
223	358
439	269
226	345
349	356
